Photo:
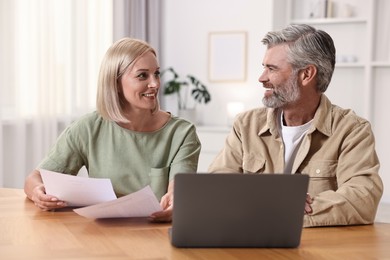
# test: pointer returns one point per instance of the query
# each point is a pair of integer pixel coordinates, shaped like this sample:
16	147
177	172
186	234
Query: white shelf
329	21
380	64
349	65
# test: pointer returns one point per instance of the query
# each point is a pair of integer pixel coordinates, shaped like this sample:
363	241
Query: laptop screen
238	210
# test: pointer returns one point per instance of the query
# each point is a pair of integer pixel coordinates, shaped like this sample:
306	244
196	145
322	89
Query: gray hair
306	45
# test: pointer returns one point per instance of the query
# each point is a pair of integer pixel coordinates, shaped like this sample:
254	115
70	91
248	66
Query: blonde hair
110	101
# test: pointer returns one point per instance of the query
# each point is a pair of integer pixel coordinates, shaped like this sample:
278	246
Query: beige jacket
338	153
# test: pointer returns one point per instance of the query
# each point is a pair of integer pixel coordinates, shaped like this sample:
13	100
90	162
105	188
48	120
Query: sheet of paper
77	191
138	204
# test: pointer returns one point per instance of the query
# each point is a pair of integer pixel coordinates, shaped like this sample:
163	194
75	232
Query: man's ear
308	75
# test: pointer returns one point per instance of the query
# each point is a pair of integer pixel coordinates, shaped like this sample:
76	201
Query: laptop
238	210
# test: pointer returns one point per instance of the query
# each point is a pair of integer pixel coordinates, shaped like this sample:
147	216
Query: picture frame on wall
227	56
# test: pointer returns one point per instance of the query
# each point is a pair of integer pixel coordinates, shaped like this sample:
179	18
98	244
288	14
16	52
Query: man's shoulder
347	115
331	116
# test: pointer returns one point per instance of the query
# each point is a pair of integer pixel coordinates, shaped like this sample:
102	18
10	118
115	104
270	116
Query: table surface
28	233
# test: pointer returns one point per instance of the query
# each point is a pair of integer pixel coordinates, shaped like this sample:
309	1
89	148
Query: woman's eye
157	74
142	76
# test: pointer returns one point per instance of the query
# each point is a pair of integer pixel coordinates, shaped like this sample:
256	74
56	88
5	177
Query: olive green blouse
132	160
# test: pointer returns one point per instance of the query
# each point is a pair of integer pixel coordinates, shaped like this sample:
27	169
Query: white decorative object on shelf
346	58
317	9
346	10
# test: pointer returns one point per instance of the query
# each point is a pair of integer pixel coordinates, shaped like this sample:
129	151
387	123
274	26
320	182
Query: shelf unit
362	84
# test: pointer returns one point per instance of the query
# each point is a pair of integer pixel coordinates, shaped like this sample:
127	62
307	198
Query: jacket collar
322	120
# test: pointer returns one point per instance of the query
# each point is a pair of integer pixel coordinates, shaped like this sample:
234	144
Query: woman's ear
119	86
308	75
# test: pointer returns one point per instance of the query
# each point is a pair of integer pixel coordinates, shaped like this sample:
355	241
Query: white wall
187	24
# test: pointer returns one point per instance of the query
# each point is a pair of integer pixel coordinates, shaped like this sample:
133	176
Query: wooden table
28	233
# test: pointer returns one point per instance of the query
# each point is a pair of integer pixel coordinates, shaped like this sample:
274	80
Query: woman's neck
146	122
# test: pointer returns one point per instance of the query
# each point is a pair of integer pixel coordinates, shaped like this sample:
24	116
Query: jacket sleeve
359	186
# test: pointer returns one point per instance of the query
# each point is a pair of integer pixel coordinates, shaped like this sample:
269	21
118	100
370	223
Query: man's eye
268	68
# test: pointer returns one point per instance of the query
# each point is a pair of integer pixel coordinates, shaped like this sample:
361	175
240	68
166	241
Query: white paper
77	191
138	204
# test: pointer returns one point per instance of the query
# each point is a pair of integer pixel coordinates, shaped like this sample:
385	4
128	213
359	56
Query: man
301	132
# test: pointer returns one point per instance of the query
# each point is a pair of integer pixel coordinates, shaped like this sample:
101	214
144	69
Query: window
51	53
50	57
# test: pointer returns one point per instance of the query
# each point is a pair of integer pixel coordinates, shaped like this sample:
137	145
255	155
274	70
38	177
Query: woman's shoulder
87	123
177	125
89	119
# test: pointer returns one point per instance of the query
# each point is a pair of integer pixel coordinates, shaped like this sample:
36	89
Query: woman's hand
167	204
46	202
35	191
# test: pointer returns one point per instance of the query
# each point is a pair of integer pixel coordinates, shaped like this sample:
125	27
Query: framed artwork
227	56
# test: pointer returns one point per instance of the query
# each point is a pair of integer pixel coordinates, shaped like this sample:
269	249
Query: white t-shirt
292	138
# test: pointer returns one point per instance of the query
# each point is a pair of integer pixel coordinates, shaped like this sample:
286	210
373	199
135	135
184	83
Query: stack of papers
98	196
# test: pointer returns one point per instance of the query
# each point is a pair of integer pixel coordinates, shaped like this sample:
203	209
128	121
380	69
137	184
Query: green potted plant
185	88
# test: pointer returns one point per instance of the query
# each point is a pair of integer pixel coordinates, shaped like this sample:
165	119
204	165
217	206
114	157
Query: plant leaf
200	93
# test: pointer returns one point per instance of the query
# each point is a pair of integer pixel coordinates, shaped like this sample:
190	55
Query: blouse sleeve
187	156
65	156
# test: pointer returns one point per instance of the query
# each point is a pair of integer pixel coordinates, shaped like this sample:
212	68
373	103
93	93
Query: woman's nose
154	83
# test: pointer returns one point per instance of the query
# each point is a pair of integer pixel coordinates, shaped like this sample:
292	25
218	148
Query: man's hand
309	201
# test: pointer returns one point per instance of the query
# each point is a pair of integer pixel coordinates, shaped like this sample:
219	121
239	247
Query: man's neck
300	114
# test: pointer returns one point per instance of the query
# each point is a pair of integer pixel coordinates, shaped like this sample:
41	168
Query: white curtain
139	19
50	54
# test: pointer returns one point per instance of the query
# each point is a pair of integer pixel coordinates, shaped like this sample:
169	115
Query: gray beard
284	97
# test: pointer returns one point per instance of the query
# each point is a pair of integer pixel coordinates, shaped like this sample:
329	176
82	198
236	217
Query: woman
128	139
